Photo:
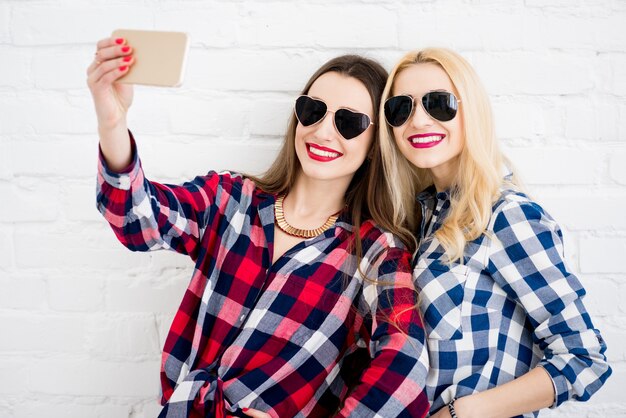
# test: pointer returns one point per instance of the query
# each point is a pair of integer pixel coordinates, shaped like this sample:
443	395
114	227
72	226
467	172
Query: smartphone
159	57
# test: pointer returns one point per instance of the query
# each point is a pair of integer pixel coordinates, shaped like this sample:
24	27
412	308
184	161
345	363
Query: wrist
465	409
109	126
116	147
451	409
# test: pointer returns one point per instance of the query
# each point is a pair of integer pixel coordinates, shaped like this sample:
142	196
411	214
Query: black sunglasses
348	123
440	105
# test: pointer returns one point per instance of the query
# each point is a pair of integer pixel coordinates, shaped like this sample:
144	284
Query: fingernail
245	409
119	41
125	48
128	58
123	68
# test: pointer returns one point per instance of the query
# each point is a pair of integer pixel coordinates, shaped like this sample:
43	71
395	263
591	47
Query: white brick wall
82	320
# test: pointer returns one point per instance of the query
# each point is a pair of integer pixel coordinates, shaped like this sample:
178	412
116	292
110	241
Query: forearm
530	392
116	146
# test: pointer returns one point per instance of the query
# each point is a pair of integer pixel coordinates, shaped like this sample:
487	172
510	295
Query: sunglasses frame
334	116
413	100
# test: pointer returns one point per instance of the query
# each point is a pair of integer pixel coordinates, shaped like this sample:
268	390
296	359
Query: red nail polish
128	58
123	68
119	41
125	48
245	409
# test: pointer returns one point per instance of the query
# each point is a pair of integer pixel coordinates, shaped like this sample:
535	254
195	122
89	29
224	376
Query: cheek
300	134
397	134
369	143
299	131
368	140
357	148
458	132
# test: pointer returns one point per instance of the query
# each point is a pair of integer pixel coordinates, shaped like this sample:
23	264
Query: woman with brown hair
292	270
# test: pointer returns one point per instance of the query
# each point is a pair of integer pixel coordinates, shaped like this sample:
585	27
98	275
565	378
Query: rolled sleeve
120	179
147	215
526	260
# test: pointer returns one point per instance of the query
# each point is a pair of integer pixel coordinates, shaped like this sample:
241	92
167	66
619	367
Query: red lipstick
320	153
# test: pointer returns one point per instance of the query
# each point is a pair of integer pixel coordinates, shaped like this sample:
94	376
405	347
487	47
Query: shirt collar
344	220
430	193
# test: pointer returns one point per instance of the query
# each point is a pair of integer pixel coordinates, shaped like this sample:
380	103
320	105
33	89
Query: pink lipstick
427	140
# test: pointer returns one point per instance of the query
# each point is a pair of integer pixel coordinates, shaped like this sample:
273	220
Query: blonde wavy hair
481	164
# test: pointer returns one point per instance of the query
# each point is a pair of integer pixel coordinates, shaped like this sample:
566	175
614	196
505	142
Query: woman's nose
325	129
420	117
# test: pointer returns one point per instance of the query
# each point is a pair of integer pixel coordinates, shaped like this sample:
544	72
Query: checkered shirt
272	337
509	306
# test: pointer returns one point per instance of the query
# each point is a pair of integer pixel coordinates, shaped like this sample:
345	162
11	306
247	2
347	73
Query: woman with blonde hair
507	330
292	272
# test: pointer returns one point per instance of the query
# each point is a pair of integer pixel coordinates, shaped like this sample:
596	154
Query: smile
320	153
426	140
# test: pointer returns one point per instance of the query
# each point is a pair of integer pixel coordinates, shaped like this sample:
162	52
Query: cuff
560	383
124	178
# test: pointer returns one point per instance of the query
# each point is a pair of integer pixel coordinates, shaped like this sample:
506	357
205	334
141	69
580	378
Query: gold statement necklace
283	225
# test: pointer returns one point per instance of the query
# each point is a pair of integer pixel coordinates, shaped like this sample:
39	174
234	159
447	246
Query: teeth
322	153
426	139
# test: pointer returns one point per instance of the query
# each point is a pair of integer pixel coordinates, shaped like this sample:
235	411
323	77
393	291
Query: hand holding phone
158	57
130	57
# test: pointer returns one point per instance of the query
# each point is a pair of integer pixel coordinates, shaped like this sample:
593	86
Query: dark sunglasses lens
351	124
441	105
398	110
309	111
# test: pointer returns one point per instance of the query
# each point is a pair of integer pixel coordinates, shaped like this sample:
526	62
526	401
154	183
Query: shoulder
373	233
229	190
385	254
226	178
232	182
515	210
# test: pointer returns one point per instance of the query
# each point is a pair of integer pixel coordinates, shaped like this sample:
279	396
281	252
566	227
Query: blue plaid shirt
509	306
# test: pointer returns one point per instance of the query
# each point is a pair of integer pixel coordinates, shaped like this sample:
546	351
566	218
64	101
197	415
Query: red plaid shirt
272	337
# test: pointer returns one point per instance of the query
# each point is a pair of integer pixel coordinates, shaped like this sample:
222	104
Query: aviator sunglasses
348	123
440	105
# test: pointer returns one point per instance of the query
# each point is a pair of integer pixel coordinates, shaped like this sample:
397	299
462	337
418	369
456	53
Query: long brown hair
366	198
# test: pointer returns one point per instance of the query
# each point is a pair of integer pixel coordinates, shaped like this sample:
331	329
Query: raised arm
112	59
145	215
